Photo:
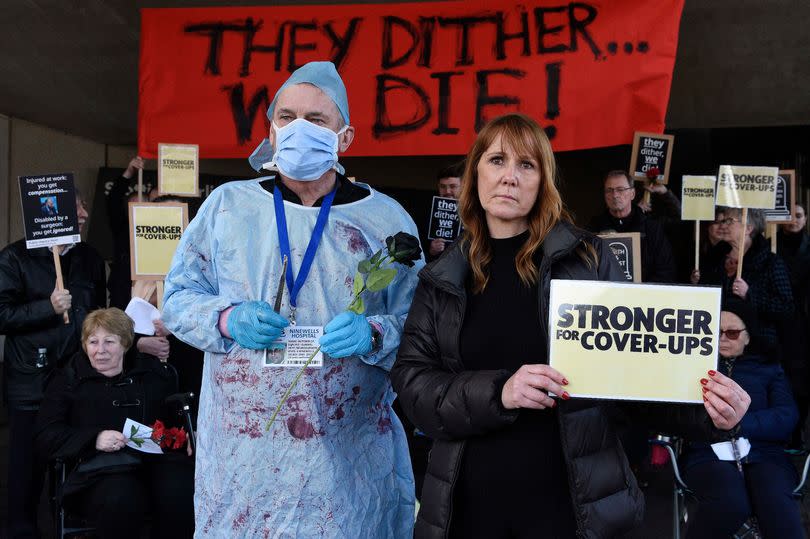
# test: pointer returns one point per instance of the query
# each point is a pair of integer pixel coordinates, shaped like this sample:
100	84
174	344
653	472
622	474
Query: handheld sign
49	210
633	342
651	151
179	169
697	204
784	209
626	248
445	223
154	232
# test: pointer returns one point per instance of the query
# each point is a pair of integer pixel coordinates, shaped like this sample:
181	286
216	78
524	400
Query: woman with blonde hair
508	460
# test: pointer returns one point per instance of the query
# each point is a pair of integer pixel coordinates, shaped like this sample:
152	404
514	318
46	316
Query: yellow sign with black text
697	198
179	169
633	342
747	187
154	232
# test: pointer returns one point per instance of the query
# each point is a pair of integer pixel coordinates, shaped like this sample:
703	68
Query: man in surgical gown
335	462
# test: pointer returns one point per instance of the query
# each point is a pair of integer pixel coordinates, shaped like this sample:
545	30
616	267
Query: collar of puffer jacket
449	271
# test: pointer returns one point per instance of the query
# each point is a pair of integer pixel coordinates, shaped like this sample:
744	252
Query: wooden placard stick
140	185
159	285
697	245
772	236
741	245
60	283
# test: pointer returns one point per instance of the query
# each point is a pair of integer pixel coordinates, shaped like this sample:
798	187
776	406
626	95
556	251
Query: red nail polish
553	404
565	395
705	399
704	381
705	389
565	382
712	373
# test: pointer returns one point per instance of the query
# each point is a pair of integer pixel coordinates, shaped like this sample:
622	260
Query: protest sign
422	77
49	210
445	223
154	232
784	209
651	157
747	187
697	198
633	342
178	169
627	249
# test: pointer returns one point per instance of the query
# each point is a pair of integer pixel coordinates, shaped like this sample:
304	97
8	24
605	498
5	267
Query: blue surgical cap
322	75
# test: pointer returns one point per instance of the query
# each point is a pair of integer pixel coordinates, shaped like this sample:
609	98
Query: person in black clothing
81	420
657	262
508	460
31	318
448	184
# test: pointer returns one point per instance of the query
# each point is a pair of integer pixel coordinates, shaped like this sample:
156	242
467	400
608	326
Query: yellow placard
179	169
154	232
697	198
747	187
633	342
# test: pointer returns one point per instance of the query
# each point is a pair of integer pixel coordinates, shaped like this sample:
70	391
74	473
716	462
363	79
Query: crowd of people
427	360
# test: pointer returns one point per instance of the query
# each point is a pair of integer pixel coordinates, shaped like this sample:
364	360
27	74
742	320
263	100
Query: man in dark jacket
657	262
31	318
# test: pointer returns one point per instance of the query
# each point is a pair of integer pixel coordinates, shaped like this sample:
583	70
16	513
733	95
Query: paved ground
657	523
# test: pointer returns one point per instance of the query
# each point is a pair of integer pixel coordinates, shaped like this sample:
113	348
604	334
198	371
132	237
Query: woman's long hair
526	138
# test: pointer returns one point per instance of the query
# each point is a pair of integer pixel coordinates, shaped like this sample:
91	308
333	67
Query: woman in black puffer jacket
507	459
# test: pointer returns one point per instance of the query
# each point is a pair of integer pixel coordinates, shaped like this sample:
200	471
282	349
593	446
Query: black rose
404	248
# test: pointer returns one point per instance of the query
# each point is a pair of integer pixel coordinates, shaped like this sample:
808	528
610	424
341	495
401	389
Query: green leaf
376	258
357	306
133	431
380	278
358	284
137	441
363	267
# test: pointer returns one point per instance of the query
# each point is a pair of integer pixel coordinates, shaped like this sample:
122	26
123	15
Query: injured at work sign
49	210
154	232
633	342
445	223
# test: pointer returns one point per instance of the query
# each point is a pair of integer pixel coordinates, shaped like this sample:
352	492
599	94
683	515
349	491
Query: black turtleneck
517	473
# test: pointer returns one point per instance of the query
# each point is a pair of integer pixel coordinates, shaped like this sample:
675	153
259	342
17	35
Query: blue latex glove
348	334
255	325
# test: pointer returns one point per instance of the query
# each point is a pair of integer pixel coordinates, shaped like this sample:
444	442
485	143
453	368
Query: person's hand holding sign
436	247
740	288
529	387
60	300
725	401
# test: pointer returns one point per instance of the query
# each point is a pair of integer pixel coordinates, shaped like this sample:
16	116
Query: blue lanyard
284	241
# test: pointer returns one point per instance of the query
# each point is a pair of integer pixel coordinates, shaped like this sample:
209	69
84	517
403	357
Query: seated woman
472	373
728	495
81	419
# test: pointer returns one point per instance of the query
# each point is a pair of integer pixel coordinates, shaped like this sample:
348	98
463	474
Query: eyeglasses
620	190
727	221
732	334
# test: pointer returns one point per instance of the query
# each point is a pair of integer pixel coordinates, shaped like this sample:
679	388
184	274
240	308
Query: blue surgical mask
304	151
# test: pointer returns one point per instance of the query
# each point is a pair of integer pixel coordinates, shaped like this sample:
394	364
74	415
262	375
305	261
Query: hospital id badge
297	344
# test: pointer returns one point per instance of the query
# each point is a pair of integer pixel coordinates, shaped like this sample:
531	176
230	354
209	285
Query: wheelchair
683	497
69	525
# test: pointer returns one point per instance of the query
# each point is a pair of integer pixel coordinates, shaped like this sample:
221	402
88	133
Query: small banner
626	248
154	232
785	207
422	77
445	223
49	210
697	198
651	157
179	169
747	187
633	342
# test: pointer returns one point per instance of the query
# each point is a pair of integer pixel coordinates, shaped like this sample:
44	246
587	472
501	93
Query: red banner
421	78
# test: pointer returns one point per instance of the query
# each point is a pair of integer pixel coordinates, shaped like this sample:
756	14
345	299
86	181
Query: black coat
80	402
27	318
657	262
451	404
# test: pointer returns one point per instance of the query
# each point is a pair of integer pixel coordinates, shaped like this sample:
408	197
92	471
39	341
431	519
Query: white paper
299	343
143	314
142	432
724	451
